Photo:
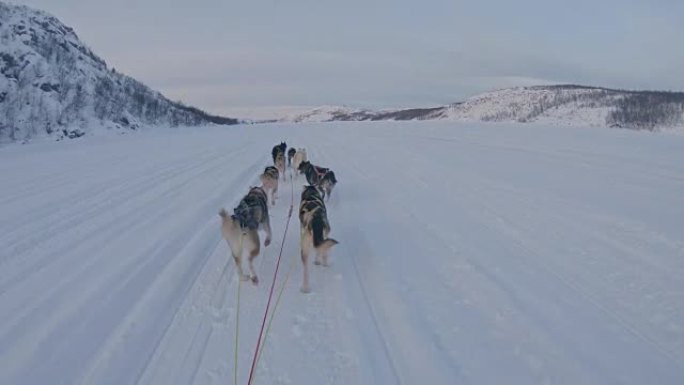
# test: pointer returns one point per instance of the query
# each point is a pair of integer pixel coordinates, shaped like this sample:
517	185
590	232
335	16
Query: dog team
241	229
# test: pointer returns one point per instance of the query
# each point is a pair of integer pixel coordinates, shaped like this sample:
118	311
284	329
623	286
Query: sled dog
280	163
240	230
322	178
299	157
269	182
314	228
280	148
290	154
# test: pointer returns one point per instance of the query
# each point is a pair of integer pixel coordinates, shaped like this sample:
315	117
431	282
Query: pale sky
249	58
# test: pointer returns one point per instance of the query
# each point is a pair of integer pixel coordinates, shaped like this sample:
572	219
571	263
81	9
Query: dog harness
244	212
320	174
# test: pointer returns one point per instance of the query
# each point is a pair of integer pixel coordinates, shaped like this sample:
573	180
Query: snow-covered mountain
51	83
561	104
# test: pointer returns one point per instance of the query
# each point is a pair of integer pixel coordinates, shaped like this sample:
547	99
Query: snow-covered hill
569	105
327	114
51	83
573	105
343	113
559	105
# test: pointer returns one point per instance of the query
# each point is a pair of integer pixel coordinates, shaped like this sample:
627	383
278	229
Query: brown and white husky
299	157
269	182
280	163
240	230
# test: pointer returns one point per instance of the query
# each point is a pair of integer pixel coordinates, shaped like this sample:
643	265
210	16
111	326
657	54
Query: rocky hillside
52	84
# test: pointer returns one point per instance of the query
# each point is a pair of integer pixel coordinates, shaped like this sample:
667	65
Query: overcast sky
248	57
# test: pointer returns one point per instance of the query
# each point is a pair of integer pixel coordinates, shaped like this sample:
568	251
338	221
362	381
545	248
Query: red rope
270	294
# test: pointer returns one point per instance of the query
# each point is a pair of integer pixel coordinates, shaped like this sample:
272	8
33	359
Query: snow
559	105
469	253
518	103
266	113
319	114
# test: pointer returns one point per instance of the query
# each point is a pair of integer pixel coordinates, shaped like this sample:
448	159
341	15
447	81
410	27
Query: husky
320	177
269	182
280	163
290	154
299	157
315	228
327	184
240	230
278	149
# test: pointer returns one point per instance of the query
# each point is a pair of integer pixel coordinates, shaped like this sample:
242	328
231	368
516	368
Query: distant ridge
569	104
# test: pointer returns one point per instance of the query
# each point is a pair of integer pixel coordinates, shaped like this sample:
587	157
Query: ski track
469	254
74	223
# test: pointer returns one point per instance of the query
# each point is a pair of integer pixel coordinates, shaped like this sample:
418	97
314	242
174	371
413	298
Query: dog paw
255	280
317	262
244	277
267	242
305	289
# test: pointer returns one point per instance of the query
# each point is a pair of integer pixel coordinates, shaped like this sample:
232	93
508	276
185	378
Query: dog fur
327	184
240	230
299	157
280	148
320	177
269	182
290	154
280	163
314	228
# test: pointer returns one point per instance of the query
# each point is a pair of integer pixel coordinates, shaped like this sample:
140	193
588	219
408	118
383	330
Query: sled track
467	254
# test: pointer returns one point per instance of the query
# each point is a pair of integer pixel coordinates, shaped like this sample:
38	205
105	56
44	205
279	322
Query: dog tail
223	213
319	241
326	245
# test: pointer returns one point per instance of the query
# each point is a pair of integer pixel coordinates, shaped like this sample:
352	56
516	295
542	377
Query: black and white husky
322	178
240	230
290	154
280	148
315	228
278	154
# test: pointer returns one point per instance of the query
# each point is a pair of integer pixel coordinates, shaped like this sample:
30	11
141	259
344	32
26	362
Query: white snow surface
469	254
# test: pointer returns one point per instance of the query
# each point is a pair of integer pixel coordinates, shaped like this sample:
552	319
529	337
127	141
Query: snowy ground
469	254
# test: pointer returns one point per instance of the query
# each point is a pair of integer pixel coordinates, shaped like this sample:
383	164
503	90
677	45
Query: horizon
280	57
